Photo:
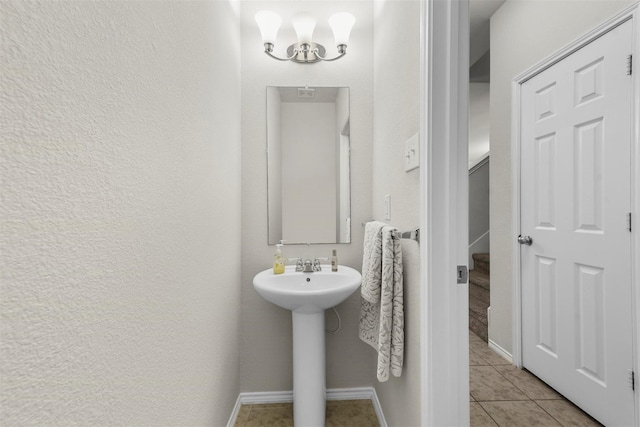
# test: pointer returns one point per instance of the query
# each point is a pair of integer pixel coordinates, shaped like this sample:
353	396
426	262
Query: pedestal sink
308	295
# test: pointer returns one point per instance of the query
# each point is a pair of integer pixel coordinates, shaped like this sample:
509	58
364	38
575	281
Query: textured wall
120	213
396	118
522	34
266	346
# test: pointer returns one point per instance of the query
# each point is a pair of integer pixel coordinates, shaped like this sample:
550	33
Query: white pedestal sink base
309	388
308	295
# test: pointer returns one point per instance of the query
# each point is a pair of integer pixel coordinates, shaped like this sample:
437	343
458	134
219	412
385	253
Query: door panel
575	193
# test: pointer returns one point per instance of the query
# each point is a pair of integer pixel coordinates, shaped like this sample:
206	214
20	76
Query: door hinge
632	380
629	221
629	65
462	274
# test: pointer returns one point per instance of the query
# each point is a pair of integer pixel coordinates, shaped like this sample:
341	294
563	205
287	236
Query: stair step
482	262
479	293
478	310
480	278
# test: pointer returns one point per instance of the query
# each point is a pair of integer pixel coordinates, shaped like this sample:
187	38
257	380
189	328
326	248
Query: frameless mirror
308	165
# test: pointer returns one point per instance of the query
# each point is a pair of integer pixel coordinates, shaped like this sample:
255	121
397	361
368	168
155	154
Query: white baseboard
359	393
234	413
263	397
501	351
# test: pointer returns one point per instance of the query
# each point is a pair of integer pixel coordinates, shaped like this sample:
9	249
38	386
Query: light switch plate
412	153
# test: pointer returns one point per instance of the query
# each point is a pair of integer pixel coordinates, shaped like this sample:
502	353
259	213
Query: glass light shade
304	24
341	23
269	23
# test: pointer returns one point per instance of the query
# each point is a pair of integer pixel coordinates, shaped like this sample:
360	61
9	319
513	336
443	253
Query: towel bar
411	234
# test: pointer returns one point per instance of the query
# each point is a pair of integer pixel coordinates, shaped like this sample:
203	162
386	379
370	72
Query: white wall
120	168
523	33
265	358
396	118
479	219
479	119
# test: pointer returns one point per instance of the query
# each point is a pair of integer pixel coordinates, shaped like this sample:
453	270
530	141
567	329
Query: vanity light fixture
305	51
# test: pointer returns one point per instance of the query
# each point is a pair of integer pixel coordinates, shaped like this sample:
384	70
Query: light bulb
341	23
269	23
304	24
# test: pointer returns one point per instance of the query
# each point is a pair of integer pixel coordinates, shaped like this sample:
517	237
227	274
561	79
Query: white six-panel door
576	128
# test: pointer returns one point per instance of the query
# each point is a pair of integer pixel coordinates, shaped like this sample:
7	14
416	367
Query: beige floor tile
476	360
528	383
270	416
486	383
360	414
373	417
490	356
518	414
567	413
479	417
501	394
474	337
340	413
243	415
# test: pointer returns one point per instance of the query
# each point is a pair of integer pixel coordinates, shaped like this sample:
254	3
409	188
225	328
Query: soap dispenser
334	261
278	260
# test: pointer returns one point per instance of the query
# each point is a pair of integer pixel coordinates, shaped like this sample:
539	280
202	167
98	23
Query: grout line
515	385
487	412
558	421
562	398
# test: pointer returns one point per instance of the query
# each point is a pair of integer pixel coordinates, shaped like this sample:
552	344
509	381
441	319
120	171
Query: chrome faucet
308	266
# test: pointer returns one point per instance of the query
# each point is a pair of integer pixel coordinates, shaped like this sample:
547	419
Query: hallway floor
503	395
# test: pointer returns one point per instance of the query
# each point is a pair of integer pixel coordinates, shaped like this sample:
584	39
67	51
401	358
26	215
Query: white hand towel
372	262
382	305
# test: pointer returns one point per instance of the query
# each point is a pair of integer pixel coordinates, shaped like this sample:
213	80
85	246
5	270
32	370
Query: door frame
444	92
629	14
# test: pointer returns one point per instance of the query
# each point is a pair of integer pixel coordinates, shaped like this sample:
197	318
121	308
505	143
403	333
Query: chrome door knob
525	240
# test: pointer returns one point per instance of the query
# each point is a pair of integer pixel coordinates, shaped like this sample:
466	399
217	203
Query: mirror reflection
308	165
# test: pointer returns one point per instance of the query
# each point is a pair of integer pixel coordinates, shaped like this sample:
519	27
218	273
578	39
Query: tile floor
340	413
502	395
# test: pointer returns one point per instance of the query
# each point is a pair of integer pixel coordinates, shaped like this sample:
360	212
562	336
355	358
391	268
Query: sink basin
307	292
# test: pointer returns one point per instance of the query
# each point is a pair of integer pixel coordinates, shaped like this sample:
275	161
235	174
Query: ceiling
480	12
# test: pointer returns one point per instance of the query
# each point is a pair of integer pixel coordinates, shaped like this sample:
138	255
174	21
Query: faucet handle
298	260
317	266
